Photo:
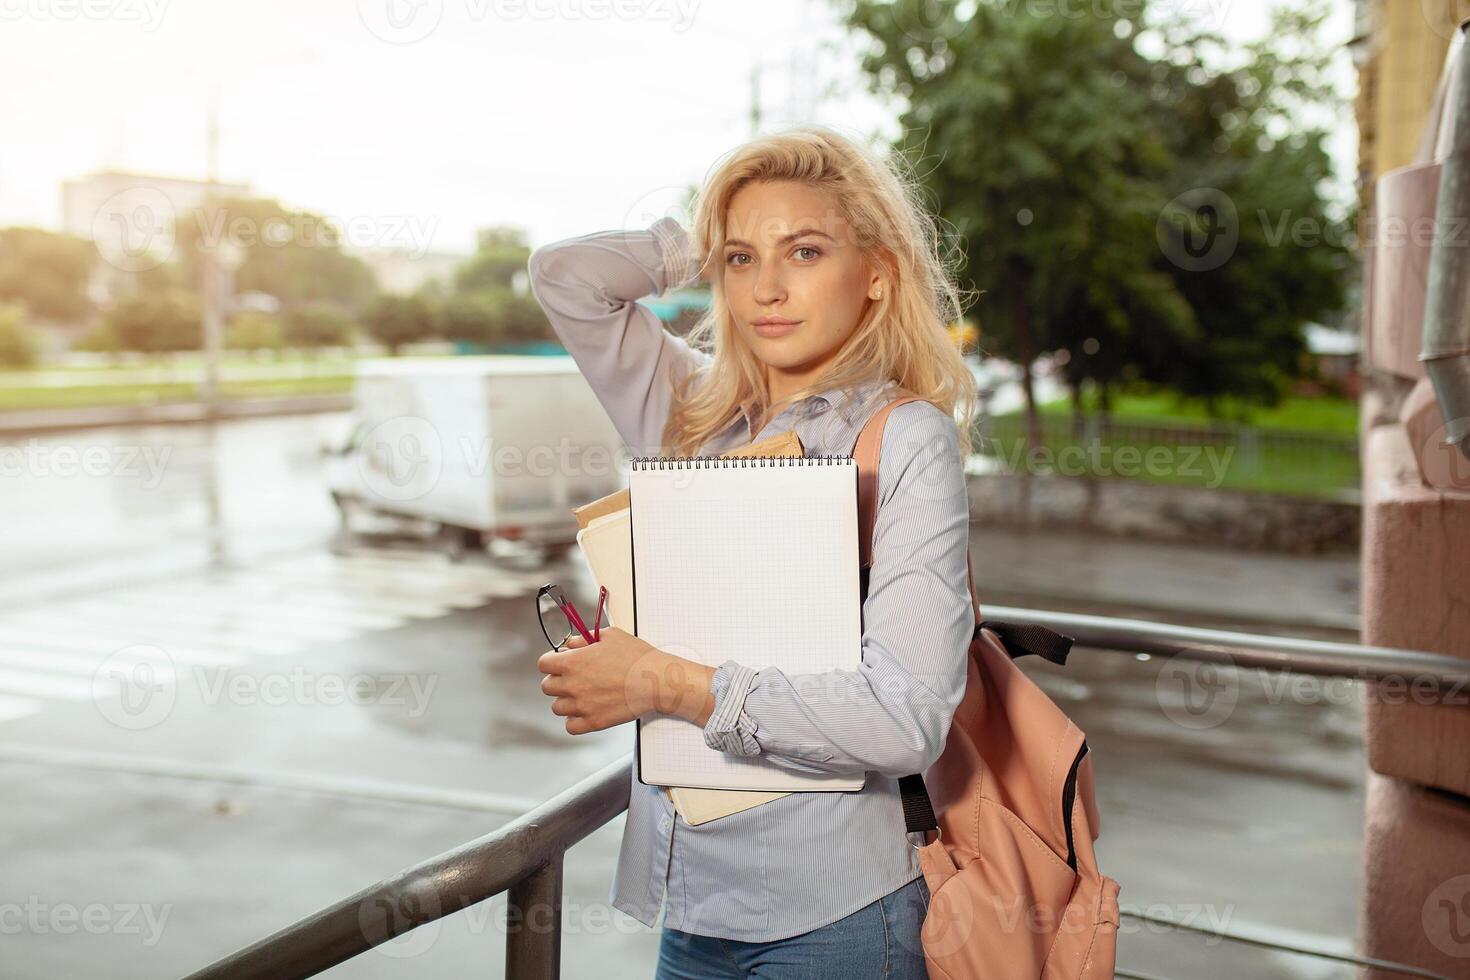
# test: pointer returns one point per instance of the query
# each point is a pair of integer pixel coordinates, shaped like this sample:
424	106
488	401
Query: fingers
554	664
576	724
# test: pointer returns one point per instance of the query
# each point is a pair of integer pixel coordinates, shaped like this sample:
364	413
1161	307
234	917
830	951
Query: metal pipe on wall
1445	349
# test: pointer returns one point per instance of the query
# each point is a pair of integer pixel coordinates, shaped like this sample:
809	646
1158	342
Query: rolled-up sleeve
892	713
587	287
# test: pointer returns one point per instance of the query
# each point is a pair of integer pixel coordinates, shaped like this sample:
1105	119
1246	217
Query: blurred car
992	373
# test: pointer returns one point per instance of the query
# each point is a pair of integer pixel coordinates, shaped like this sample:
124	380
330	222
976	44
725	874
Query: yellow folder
606	542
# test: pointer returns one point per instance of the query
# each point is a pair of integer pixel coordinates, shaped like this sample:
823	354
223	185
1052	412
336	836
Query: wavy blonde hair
902	337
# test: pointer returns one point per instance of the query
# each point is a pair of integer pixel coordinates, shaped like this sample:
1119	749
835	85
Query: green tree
19	345
101	338
47	272
498	316
252	330
500	254
318	325
485	307
1250	237
295	256
157	323
1063	157
398	320
1039	146
469	318
519	318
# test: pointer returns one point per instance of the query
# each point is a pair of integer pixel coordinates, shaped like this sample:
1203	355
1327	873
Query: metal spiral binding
726	462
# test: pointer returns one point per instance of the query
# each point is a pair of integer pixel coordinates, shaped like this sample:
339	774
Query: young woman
828	294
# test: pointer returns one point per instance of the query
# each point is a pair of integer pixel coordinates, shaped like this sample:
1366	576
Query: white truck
486	447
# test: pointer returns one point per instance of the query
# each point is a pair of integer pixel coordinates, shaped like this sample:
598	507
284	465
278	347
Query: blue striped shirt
806	859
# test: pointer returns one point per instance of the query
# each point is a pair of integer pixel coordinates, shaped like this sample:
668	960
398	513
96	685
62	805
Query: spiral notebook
606	543
751	559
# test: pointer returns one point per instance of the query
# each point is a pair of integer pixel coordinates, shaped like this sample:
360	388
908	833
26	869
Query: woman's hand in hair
620	678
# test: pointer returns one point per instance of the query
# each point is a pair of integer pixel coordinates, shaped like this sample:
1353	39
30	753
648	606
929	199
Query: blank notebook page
753	560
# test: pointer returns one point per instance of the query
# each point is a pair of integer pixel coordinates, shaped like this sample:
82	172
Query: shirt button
665	823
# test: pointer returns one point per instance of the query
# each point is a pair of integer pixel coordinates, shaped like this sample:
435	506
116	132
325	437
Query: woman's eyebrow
789	238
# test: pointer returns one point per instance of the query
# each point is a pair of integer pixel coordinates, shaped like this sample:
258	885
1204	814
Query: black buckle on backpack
1021	639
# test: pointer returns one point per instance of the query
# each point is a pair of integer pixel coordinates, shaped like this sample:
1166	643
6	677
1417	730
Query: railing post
533	924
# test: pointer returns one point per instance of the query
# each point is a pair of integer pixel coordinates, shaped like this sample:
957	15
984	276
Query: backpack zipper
1069	796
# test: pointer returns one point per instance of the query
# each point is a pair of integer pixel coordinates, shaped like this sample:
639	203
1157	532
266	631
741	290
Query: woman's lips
776	329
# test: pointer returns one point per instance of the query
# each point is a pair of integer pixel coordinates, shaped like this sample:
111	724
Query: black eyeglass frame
575	624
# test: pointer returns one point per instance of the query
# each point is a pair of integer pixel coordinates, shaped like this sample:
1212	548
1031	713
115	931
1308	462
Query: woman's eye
730	259
808	248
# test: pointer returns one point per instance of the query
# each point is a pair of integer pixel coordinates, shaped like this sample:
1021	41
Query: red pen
575	618
597	622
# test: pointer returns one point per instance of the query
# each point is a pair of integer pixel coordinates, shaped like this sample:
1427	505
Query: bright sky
426	119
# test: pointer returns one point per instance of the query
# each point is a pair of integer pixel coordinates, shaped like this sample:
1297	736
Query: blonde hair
903	335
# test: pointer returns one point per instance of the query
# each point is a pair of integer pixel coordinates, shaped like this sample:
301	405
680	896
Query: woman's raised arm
587	286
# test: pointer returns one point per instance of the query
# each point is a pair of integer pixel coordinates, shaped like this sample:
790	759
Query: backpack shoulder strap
866	452
1018	639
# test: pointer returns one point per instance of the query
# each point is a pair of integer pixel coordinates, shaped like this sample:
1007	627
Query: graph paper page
735	560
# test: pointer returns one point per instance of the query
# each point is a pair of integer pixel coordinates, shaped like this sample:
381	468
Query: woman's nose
769	286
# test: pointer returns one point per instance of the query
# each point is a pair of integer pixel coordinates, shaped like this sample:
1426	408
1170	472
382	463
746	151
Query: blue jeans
881	939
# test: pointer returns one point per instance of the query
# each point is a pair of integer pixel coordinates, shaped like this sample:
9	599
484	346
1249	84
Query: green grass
97	395
1325	414
100	385
1321	464
194	364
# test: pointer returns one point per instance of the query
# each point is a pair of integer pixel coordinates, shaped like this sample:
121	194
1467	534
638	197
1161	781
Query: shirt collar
847	402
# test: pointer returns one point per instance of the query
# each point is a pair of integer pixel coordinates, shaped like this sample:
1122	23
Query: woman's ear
876	285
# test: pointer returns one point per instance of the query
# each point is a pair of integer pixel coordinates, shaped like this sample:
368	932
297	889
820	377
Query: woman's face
789	255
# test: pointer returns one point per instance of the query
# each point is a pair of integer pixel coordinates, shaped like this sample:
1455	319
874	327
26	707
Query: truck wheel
460	541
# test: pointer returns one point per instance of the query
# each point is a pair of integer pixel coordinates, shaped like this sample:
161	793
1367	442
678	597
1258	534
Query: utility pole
210	288
802	69
755	99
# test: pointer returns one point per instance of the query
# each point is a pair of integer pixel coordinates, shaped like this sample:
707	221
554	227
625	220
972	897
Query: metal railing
525	857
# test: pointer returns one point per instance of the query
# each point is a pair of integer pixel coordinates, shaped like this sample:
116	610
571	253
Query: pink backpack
1014	883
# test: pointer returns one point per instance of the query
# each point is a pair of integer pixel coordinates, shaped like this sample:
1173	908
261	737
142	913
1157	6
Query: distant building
130	216
1399	49
1336	353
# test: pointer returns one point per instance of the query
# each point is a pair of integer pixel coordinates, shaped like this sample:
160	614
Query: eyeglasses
559	618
